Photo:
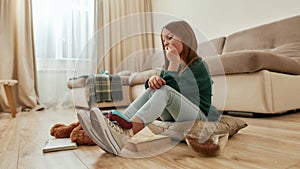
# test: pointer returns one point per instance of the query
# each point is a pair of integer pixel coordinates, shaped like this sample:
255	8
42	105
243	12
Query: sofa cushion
211	48
175	129
125	74
266	36
248	61
143	76
288	50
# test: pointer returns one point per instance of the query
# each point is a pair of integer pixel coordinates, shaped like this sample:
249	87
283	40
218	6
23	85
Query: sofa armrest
141	77
77	82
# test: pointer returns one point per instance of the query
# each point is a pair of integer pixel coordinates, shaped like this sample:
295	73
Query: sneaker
84	119
115	134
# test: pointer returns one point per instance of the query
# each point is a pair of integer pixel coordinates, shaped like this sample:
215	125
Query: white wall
215	18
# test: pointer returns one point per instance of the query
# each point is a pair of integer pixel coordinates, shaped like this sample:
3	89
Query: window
62	27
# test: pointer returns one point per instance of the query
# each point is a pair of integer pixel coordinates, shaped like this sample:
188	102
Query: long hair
186	34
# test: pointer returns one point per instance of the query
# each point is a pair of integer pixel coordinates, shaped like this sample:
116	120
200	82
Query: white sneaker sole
100	126
85	122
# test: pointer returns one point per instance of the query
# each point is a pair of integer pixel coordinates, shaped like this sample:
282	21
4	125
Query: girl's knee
166	88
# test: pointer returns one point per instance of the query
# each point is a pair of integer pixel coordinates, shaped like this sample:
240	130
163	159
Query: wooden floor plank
9	133
259	156
272	123
9	141
8	159
296	166
34	132
274	134
267	142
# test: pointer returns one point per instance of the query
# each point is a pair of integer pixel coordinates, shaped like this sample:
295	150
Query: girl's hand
172	54
174	58
155	82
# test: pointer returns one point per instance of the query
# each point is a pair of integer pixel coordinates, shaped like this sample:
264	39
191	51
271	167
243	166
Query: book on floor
147	142
57	144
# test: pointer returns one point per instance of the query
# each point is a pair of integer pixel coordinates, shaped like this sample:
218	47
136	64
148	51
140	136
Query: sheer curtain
75	37
62	28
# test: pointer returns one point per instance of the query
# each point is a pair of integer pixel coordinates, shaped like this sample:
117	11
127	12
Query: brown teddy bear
74	131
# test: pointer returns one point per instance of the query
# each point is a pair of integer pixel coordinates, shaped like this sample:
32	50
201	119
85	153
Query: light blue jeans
166	103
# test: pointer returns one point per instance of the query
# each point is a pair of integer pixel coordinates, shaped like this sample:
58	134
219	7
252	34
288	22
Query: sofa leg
243	114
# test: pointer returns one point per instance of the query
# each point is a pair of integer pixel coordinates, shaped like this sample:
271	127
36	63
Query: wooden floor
268	142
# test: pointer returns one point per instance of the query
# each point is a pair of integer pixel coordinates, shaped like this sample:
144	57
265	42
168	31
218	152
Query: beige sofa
254	71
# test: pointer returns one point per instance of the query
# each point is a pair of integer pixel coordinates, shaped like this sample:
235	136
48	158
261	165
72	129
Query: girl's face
170	39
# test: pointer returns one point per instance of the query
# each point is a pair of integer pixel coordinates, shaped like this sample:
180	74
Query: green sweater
194	83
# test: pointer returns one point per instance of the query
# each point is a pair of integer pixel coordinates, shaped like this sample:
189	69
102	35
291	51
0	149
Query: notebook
57	144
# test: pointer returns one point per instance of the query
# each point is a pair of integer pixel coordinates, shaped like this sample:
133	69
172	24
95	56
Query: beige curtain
17	57
124	34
